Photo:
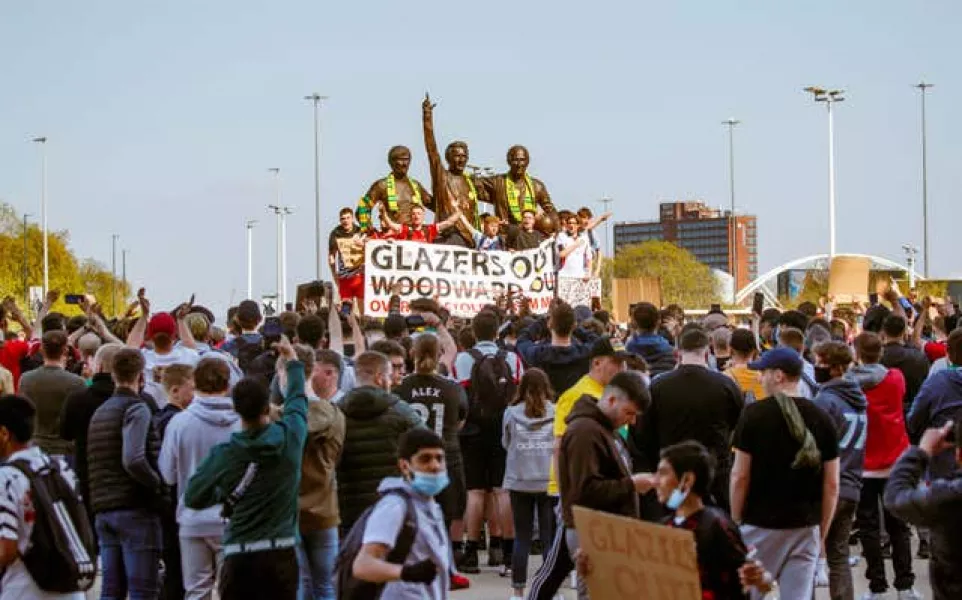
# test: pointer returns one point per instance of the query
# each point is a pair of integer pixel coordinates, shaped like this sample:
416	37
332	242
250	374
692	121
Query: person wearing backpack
406	517
528	437
375	420
255	476
490	375
43	555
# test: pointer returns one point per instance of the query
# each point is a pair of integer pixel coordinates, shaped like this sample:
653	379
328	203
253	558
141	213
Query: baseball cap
161	323
606	346
713	321
781	359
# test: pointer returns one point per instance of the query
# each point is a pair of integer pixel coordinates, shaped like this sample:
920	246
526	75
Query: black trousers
869	511
172	587
258	575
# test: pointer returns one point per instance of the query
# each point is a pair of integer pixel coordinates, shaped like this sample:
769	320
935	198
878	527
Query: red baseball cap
161	323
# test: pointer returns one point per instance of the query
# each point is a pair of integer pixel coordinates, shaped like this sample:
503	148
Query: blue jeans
131	542
316	552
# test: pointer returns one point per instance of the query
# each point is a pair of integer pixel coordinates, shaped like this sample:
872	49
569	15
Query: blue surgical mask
676	499
430	484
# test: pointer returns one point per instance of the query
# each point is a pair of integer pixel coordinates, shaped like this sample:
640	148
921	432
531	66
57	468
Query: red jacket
887	438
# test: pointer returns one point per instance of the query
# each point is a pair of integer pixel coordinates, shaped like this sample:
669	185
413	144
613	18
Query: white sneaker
516	598
872	596
853	560
821	574
911	594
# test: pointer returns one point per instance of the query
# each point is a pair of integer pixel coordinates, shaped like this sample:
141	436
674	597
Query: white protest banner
632	559
577	291
462	280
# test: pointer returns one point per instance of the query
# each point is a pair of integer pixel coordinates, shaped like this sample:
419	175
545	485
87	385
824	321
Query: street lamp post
829	97
316	98
923	87
606	202
43	210
113	273
910	252
731	122
250	259
26	284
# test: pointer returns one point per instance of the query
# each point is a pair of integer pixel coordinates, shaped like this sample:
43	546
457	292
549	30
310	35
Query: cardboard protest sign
351	251
463	281
577	291
848	278
625	293
632	559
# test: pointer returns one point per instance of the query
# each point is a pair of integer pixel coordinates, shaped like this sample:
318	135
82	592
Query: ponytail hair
426	351
535	393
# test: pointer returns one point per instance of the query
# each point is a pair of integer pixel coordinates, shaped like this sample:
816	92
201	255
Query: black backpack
247	353
492	386
351	588
63	554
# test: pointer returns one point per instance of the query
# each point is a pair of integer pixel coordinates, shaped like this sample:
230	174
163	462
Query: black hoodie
591	471
564	365
375	419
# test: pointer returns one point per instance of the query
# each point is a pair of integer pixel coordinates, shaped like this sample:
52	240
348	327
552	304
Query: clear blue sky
163	117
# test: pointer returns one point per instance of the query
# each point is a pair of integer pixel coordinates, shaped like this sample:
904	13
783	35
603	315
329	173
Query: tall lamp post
43	210
923	88
26	284
829	97
606	202
731	123
113	273
316	98
250	259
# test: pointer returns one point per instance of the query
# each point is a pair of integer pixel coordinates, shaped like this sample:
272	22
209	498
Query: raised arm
13	311
395	227
598	220
441	200
136	337
48	302
183	330
451	221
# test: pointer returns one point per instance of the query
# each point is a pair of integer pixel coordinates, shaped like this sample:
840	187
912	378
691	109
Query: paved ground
489	586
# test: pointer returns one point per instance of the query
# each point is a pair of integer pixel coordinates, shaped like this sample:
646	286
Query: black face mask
823	374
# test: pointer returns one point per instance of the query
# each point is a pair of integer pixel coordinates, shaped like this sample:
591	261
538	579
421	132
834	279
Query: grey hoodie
191	434
868	376
530	446
844	401
431	541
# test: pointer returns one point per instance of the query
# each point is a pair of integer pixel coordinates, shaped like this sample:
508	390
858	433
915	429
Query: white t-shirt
16	523
153	369
575	264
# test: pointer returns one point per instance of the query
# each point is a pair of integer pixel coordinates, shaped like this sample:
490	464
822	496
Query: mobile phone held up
273	327
73	298
758	303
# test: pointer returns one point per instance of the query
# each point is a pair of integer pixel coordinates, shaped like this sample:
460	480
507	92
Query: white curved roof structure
817	261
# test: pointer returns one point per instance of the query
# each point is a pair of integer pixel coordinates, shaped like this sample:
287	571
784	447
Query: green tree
67	274
684	280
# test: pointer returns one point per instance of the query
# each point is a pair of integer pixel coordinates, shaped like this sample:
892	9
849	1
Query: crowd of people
319	454
576	248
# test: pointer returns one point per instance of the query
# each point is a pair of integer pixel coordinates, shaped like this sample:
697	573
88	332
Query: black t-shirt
780	497
690	403
721	551
442	404
519	239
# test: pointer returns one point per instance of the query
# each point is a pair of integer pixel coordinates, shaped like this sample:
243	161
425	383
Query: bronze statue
453	189
397	192
514	192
